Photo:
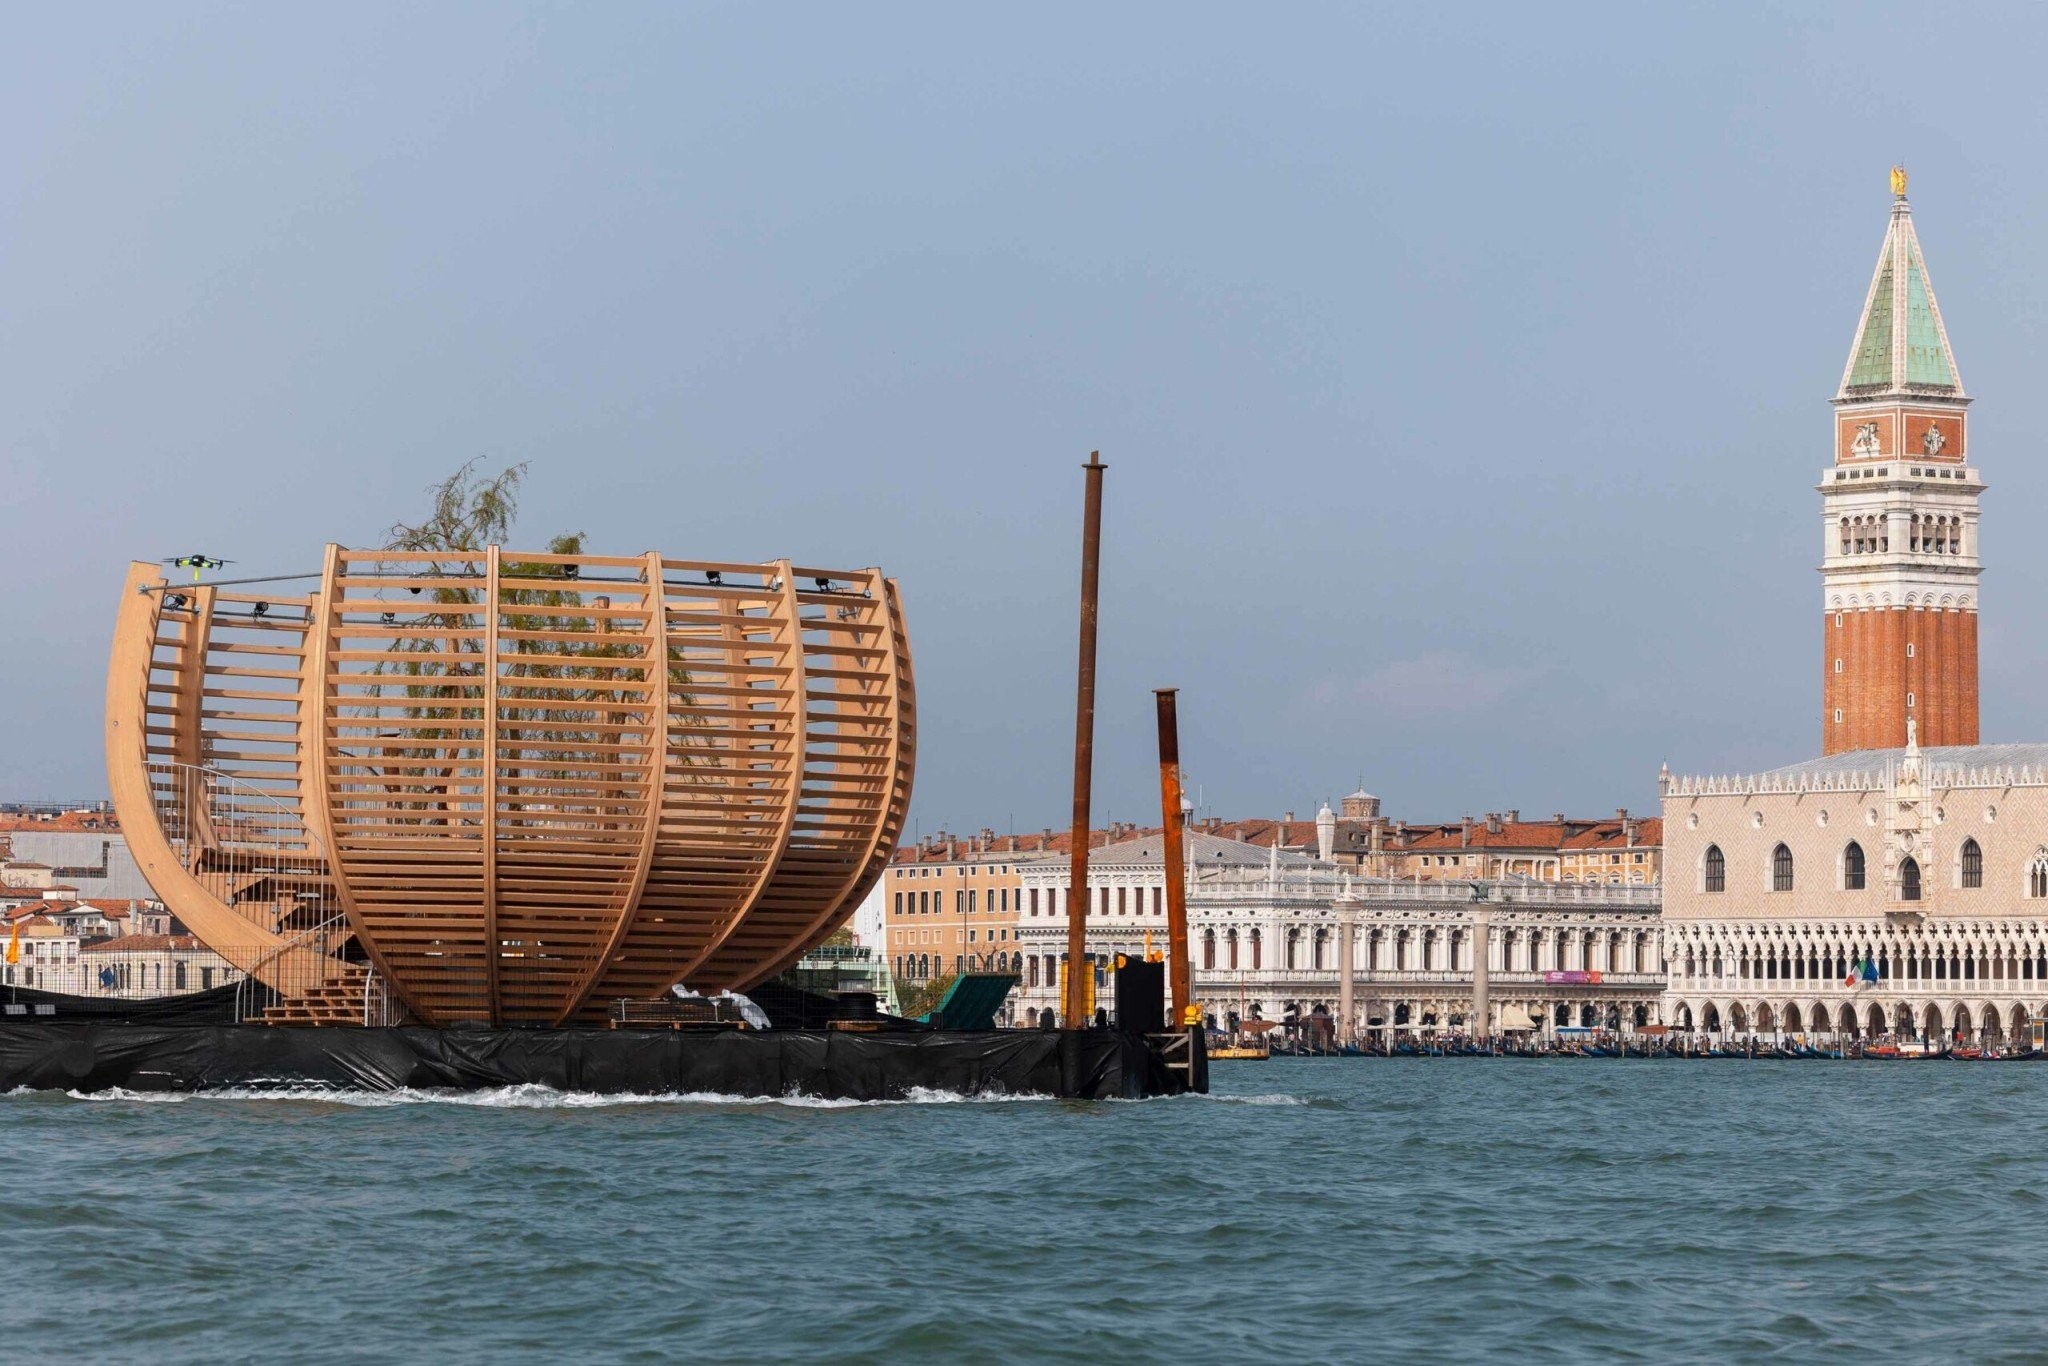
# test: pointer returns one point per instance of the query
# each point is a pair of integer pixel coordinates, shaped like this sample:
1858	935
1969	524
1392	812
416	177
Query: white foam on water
526	1096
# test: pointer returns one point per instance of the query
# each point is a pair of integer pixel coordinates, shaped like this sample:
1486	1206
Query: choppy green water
1310	1210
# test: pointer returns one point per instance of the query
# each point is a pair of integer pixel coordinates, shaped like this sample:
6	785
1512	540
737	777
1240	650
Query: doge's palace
1886	887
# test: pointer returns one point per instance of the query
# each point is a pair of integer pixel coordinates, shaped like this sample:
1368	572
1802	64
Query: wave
525	1096
535	1096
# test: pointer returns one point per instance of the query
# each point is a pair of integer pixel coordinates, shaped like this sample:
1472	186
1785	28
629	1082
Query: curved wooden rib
399	751
850	730
655	652
897	702
316	743
495	751
577	743
729	789
188	707
169	752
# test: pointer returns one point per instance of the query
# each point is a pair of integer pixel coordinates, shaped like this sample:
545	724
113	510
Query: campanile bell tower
1899	568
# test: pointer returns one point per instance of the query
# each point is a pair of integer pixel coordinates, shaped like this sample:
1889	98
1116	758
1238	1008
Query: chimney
1465	832
1046	834
1621	813
1515	816
1493	822
1287	819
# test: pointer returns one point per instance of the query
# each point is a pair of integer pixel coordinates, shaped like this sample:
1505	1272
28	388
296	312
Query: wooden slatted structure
206	764
859	750
537	784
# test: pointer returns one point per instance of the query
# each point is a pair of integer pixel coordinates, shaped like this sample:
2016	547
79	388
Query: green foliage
469	512
922	998
561	703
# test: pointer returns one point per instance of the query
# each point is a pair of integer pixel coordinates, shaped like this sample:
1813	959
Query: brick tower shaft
1899	509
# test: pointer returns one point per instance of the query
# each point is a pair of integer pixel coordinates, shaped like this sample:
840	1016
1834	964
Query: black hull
1089	1065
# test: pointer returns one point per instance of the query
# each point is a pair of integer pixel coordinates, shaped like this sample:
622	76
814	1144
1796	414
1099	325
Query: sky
1462	371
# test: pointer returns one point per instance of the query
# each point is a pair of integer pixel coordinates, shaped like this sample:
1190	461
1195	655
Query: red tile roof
145	943
69	820
1546	836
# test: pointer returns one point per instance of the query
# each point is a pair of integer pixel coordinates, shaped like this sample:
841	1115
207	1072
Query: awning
1515	1017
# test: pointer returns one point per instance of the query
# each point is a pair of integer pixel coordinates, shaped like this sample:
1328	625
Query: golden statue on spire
1898	182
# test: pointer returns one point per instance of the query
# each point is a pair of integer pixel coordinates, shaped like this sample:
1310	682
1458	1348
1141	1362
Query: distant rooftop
1862	769
1932	757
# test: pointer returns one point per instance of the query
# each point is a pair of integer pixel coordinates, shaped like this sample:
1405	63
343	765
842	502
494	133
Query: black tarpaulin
197	1007
1090	1064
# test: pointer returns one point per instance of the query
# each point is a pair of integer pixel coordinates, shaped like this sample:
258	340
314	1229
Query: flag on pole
1870	971
14	943
1855	974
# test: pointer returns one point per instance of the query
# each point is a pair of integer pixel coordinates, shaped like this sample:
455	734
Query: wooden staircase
337	1001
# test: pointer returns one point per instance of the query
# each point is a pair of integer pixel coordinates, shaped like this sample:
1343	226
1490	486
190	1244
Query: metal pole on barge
1172	821
1079	970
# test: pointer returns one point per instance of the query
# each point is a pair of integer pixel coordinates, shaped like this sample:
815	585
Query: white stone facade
1264	934
1931	865
1901	534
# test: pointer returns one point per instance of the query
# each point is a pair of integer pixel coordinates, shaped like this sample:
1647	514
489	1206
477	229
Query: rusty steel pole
1079	970
1173	850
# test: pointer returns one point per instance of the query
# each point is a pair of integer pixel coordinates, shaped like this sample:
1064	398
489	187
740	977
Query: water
1310	1210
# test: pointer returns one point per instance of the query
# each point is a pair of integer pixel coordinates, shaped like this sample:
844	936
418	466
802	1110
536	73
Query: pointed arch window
1716	869
2037	876
1781	869
1973	864
1852	867
1909	880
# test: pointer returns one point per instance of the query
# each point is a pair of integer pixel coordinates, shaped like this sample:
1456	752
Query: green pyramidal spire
1901	345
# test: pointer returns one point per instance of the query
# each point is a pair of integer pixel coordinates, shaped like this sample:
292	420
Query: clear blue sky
1462	371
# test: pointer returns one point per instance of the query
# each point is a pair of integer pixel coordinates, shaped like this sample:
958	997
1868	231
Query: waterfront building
46	954
1622	850
54	958
1267	929
38	892
1899	883
1127	904
1881	892
951	905
83	849
143	965
1271	947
